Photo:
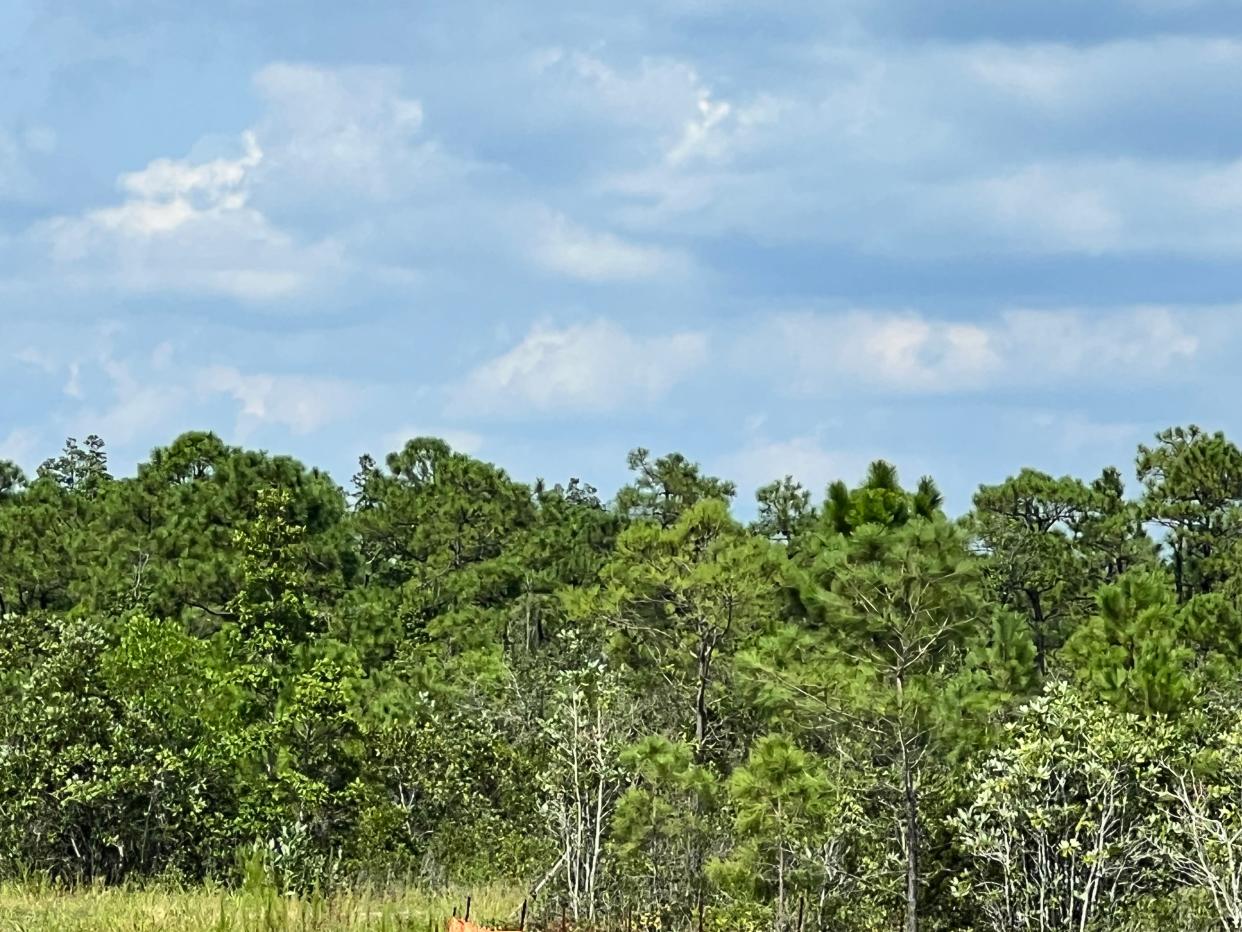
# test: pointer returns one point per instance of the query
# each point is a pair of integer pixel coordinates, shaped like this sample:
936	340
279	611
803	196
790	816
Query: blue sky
782	238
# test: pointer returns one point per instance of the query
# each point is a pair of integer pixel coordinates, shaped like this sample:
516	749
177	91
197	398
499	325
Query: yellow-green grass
37	907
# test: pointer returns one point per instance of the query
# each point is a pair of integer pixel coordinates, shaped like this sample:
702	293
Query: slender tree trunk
1179	572
597	841
526	632
1041	634
573	863
912	848
700	698
780	887
780	868
911	801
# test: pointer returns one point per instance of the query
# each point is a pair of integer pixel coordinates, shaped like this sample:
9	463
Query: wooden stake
467	917
522	918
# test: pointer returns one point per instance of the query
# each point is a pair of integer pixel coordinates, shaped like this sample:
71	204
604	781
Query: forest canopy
852	712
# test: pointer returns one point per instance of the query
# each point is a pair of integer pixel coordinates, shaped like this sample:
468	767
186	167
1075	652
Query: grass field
44	908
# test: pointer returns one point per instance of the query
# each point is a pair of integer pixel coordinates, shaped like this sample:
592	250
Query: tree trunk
1179	572
780	887
911	800
1041	634
912	848
700	698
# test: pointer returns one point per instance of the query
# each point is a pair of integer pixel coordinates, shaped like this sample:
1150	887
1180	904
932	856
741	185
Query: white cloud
327	140
39	359
18	446
806	458
137	405
1039	74
17	154
658	94
188	226
898	351
909	352
216	183
1102	207
73	385
329	133
128	399
586	367
335	181
655	110
1131	344
698	134
1073	432
961	149
569	249
301	403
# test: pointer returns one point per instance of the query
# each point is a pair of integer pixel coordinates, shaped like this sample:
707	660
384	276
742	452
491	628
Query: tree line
852	712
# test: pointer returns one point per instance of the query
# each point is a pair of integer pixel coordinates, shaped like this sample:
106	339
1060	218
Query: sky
781	238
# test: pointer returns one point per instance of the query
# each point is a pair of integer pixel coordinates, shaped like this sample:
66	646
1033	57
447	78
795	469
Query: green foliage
788	824
1131	653
663	489
854	714
446	797
678	597
1056	830
667	825
260	906
440	535
880	500
785	510
1192	485
168	537
79	469
1048	544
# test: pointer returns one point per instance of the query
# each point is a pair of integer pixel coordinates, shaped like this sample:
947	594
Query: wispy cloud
349	132
808	458
187	226
911	352
301	403
19	445
962	149
595	366
685	190
599	256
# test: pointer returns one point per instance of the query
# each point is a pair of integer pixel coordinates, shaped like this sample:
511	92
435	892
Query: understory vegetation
229	684
44	907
